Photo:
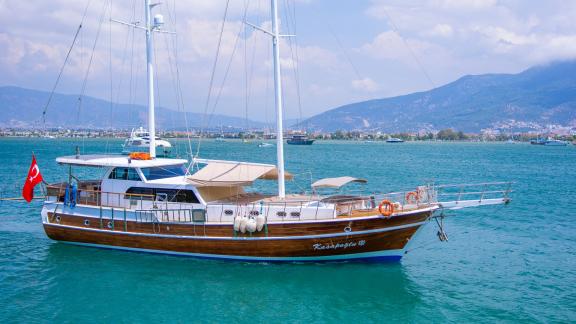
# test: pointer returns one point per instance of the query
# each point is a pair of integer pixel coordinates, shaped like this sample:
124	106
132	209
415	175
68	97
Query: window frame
131	172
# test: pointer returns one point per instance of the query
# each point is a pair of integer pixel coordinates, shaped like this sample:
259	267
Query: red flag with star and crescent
34	177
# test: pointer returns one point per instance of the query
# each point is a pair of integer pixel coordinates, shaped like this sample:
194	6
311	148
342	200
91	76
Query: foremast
152	25
278	99
150	74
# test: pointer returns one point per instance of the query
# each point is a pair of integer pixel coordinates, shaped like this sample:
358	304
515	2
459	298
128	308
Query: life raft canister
386	208
412	197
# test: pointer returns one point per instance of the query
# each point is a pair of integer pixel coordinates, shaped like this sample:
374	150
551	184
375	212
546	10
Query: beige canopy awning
336	182
228	173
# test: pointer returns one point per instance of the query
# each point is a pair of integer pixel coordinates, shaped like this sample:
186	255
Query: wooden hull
363	239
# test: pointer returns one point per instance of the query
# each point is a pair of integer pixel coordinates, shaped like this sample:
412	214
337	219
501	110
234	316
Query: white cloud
464	4
365	84
440	30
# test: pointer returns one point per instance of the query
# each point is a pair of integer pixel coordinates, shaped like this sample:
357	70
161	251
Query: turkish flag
34	177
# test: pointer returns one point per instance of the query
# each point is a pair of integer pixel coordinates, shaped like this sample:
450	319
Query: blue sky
347	50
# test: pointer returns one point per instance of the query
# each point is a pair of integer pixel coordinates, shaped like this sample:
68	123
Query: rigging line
245	76
294	54
414	56
173	79
110	70
249	74
131	30
64	64
180	97
91	58
123	64
59	76
229	64
212	76
344	52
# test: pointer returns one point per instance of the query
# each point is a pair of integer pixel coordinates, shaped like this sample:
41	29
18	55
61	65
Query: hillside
537	97
21	107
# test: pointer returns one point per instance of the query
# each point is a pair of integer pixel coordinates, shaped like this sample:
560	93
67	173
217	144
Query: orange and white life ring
412	197
386	208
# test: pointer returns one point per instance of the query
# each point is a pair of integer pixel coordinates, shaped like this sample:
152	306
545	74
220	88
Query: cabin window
175	195
169	171
140	193
125	174
170	195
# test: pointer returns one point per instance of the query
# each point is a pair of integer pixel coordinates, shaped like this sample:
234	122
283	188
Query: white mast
150	71
278	99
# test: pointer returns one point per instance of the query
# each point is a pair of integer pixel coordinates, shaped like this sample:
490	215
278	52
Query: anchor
442	236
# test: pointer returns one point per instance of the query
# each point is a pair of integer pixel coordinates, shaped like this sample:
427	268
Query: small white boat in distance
394	140
548	142
139	141
264	144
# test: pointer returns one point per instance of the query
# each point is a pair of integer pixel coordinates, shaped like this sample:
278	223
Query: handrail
318	206
103	192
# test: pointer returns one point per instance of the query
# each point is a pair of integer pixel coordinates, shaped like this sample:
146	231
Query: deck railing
148	208
98	198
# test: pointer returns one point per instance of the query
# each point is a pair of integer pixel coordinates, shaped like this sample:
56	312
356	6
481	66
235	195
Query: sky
343	51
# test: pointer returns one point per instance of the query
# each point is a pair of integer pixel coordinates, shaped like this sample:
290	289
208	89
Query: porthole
228	212
86	222
58	219
281	214
254	213
295	214
109	225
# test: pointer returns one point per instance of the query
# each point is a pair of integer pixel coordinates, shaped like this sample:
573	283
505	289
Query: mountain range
542	95
530	100
23	108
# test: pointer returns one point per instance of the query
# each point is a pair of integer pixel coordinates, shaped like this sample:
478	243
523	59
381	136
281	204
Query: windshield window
170	171
124	174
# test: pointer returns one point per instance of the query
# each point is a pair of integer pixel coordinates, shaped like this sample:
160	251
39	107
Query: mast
150	75
278	99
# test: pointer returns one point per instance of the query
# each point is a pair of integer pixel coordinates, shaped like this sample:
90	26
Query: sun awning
336	182
228	173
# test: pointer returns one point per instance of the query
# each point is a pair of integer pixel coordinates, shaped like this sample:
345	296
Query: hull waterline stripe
218	238
388	255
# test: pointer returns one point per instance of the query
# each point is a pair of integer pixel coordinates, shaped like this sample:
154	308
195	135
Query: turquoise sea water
511	264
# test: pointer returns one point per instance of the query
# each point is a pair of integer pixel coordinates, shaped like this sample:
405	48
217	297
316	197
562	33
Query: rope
176	76
229	64
64	64
84	82
59	76
212	76
293	44
414	56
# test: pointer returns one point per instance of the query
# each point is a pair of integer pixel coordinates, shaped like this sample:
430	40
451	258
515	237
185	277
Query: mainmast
278	99
150	74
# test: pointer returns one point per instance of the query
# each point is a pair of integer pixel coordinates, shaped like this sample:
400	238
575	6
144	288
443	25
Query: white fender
237	221
251	225
260	220
243	222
